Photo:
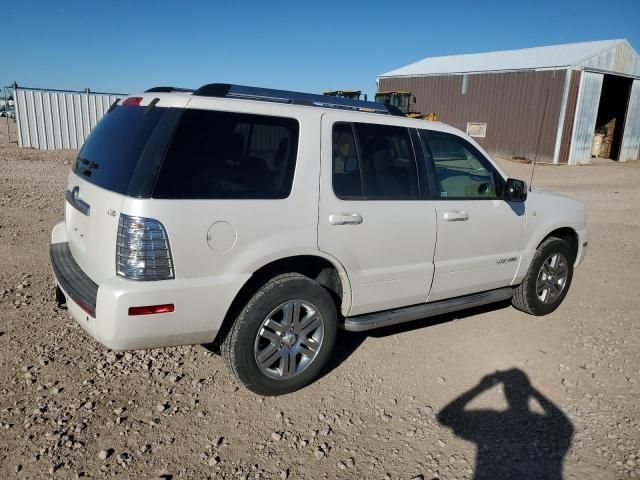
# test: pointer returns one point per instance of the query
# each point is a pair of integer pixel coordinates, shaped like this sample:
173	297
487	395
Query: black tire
238	346
525	295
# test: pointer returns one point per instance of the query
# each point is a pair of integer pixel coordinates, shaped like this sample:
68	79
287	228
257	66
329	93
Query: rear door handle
456	216
345	219
74	200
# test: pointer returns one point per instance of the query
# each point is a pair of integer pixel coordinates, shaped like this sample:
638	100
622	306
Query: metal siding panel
33	124
561	117
620	59
511	103
569	116
92	111
604	61
61	132
64	121
51	119
48	121
79	119
42	128
86	124
21	115
26	125
104	105
72	118
630	148
585	118
55	108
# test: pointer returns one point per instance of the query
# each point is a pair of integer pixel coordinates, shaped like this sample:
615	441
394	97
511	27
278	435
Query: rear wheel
283	337
548	279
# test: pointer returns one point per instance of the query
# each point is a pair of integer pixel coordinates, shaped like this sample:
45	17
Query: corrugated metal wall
584	123
54	119
630	149
511	103
620	59
569	116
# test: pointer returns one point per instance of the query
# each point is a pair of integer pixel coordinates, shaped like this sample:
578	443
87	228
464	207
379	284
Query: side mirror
516	190
413	100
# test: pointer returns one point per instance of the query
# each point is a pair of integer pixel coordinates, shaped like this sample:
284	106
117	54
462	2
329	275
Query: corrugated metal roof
553	56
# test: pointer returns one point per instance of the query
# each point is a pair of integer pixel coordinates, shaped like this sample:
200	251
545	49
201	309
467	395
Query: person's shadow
516	443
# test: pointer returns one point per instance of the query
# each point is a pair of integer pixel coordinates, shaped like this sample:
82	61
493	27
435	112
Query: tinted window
346	172
229	155
461	170
374	162
111	153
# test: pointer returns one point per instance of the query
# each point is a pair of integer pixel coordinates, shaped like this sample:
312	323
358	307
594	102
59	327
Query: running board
370	321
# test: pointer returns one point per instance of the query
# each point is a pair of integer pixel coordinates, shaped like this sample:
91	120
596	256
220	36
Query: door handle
456	216
345	219
72	196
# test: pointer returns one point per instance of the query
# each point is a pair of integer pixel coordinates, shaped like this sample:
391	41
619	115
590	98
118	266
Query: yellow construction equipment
401	100
352	94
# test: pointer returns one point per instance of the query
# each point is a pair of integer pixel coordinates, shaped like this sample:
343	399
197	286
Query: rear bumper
200	306
72	280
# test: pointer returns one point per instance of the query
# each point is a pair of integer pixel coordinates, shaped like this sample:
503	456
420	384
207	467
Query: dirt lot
70	407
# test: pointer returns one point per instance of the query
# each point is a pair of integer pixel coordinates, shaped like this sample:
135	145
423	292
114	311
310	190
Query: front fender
546	213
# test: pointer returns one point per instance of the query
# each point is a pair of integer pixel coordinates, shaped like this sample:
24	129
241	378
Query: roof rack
226	90
168	89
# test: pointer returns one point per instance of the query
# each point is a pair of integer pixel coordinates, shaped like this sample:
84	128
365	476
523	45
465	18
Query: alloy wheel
552	278
289	339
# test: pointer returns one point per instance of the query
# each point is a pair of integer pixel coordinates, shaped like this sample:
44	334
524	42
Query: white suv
265	220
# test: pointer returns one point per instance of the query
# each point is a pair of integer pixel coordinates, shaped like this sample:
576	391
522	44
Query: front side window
462	172
374	162
225	155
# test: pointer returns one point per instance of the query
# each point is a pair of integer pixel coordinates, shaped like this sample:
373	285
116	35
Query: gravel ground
564	402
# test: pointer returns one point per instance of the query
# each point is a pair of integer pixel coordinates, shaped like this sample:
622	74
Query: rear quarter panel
257	231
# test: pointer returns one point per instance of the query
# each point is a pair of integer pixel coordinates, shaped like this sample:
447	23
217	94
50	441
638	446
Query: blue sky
126	46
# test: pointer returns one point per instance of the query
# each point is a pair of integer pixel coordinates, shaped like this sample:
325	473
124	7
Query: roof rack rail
226	90
168	89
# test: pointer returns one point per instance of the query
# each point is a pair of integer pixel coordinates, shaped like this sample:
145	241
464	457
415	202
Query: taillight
142	249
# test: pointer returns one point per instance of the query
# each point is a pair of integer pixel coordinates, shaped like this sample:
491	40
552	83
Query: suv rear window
111	153
220	155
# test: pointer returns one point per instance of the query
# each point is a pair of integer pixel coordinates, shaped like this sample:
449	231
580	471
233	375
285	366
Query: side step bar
370	321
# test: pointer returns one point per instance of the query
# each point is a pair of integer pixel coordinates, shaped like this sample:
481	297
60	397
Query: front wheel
548	279
283	337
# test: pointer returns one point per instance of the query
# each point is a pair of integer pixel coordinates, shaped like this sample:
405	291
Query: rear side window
111	153
374	162
224	155
347	182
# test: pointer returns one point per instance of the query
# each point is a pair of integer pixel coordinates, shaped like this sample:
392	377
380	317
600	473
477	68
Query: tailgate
91	218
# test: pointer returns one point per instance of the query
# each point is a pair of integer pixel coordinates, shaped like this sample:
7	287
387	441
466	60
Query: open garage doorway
612	110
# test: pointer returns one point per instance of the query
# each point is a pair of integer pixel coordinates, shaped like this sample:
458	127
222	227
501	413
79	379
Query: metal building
54	119
544	102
